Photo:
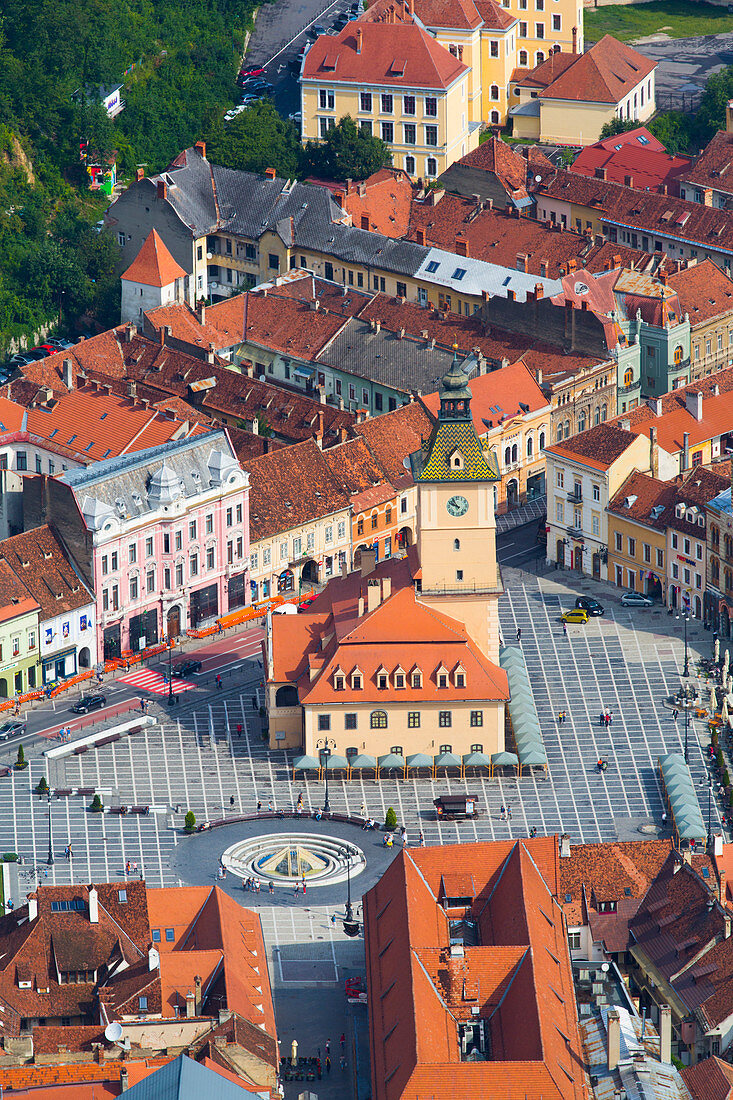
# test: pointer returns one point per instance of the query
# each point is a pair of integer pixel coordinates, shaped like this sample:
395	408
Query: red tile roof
383	200
354	465
291	487
154	265
497	397
595	873
15	598
518	977
704	291
39	559
605	74
709	1079
399	54
496	156
646	168
599	446
676	419
713	167
394	436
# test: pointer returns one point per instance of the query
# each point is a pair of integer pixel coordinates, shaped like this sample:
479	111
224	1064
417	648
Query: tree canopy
618	126
348	152
256	139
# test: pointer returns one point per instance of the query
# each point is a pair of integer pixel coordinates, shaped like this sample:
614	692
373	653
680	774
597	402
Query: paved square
149	680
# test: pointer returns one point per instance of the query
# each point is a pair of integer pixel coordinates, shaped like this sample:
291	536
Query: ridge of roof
154	265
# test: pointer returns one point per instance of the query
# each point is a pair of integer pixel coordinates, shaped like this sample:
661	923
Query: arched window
539	57
530	446
515	453
542	441
378	720
596	415
495	118
604	411
678	354
567	429
628	377
477	748
523	59
559	432
507	455
494	93
456	544
581	420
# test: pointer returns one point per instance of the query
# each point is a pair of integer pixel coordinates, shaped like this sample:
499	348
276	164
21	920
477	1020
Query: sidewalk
518	517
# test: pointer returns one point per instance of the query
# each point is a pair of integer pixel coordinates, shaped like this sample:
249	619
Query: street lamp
710	791
351	926
686	697
685	616
171	697
50	860
326	753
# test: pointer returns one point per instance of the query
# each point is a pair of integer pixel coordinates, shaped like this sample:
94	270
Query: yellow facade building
402	657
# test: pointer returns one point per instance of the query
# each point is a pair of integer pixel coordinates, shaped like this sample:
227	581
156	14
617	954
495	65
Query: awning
391	761
419	760
304	372
305	764
476	760
334	763
522	710
503	759
682	797
447	760
362	762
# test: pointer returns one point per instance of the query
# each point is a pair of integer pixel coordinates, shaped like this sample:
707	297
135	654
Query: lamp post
50	860
685	616
171	697
351	926
710	790
686	697
326	753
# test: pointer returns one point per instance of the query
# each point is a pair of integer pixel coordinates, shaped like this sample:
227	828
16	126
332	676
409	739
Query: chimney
722	885
32	907
707	197
344	568
200	148
360	608
655	404
130	333
201	312
461	246
628	181
665	1034
575	39
565	845
613	1030
653	451
359	36
374	596
420	235
197	987
270	173
511	295
139	174
685	450
368	562
190	1005
162	189
600	173
93	905
726	918
716	389
68	373
386	587
626	425
124	1082
131	387
210	354
693	403
338	198
539	291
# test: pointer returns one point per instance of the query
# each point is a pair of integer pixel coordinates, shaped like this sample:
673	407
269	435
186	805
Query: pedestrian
503	813
127	867
328	1063
342	1040
565	629
269	804
254	702
142	705
218	627
231	799
343	1062
519	635
296	888
218	681
363	810
422	839
134	867
509	812
272	887
259	805
303	884
328	1047
609	718
257	886
675	712
239	729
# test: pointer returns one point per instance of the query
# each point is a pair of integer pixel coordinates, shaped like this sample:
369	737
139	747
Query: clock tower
455	517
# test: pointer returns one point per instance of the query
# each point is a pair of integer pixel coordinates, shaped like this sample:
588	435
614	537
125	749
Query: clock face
457	506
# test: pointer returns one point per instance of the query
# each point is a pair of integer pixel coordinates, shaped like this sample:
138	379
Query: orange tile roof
290	487
397	54
712	167
496	156
394	436
704	291
496	397
184	325
676	419
518	977
154	265
709	1079
605	74
87	1080
15	599
599	446
383	199
39	559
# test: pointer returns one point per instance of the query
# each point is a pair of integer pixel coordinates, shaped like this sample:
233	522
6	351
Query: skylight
433	266
459	273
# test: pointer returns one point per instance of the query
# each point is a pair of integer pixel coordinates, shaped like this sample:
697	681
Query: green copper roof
448	437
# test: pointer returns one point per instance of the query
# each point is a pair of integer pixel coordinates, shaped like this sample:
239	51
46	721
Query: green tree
348	152
390	819
675	130
710	115
42	787
618	126
190	821
97	806
255	140
21	761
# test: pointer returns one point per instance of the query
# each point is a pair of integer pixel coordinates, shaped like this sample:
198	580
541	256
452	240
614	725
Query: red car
250	72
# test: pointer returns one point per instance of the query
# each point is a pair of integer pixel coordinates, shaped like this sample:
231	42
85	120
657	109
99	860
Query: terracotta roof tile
394	436
496	156
399	54
605	74
648	164
381	203
497	397
154	265
291	487
709	1079
676	418
644	493
713	167
39	559
15	598
704	291
604	872
601	445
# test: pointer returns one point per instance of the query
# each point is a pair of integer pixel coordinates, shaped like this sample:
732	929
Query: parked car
305	604
575	615
636	599
340	23
89	702
250	72
234	112
187	667
61	344
20	359
593	607
248	100
11	728
316	30
35	354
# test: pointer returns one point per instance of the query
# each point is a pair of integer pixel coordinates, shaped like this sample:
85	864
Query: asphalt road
519	546
280	31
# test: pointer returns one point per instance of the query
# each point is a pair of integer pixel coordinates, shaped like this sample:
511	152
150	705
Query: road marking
152	681
300	32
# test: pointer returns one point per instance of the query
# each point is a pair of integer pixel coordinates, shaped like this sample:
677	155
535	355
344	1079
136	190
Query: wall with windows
519	446
687	561
711	346
426	129
278	562
637	556
19	654
582	402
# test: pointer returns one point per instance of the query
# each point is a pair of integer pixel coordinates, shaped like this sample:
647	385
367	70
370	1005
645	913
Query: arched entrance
512	493
578	559
652	586
404	538
724	625
309	572
673	595
698	607
84	657
4	688
286	581
286	696
173	622
560	553
596	566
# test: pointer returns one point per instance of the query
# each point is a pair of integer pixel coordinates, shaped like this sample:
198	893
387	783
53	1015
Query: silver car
636	599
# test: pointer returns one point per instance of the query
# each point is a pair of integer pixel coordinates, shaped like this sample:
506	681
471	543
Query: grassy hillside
677	18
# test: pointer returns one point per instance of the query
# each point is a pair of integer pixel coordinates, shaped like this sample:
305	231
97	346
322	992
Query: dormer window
382	679
456	460
399	678
680	511
459	677
416	678
356	680
441	677
339	683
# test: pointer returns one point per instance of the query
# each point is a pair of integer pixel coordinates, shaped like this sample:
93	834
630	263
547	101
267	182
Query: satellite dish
605	968
538	179
113	1031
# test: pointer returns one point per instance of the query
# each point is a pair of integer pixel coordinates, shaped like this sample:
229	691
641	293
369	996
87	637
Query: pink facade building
162	537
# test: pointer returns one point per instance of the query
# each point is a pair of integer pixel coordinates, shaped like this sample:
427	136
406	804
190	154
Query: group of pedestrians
605	718
252	884
131	867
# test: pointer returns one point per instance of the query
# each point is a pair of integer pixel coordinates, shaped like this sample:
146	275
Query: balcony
632	388
576	496
575	532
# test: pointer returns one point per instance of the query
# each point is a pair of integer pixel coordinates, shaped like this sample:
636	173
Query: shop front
204	605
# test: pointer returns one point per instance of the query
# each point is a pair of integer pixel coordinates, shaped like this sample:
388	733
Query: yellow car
576	615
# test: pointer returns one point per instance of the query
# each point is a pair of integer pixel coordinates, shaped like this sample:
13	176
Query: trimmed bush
726	778
719	758
190	821
97	806
42	787
21	762
390	820
10	857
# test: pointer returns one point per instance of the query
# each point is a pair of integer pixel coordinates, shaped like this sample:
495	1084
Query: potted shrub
21	762
42	787
390	820
97	805
190	821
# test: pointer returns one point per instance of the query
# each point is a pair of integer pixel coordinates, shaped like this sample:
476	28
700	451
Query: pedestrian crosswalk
149	680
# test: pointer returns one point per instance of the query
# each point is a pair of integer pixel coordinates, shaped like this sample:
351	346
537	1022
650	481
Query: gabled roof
638	498
599	446
394	436
290	487
15	598
713	167
636	156
605	74
39	559
496	156
185	1079
154	265
399	54
704	291
497	397
709	1079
